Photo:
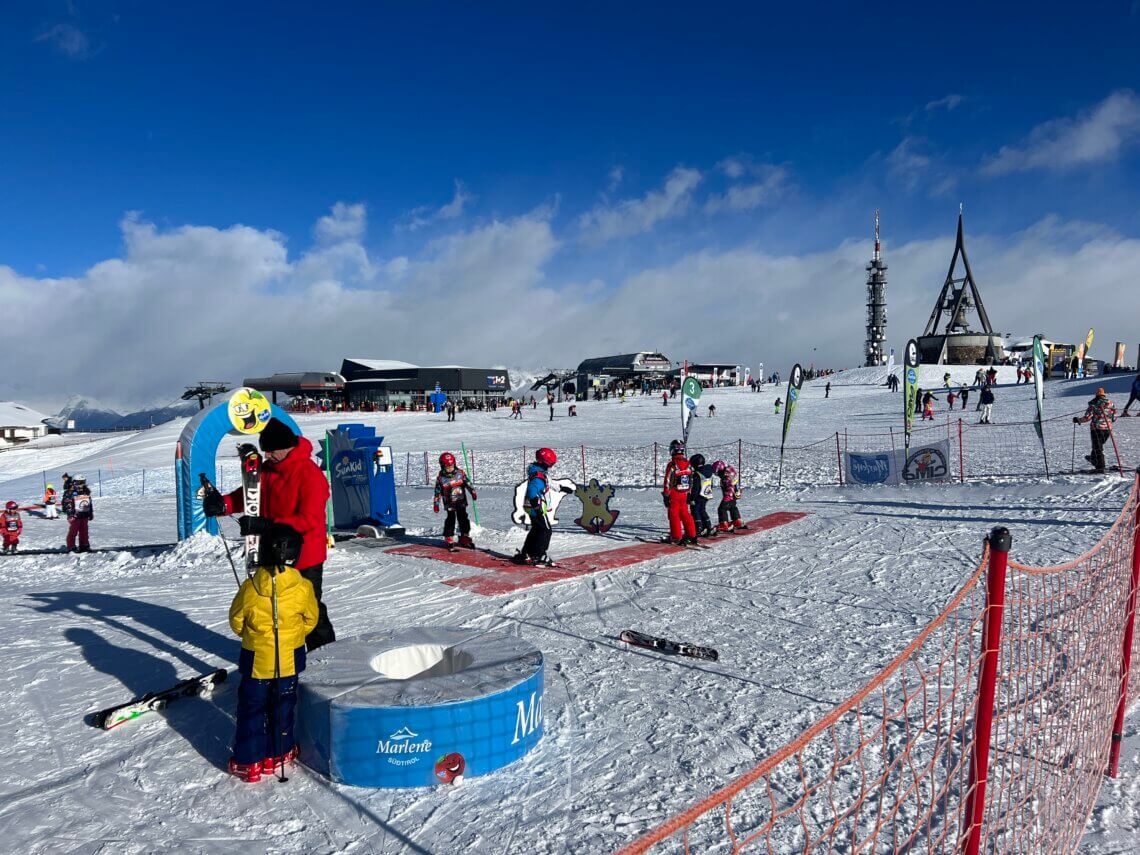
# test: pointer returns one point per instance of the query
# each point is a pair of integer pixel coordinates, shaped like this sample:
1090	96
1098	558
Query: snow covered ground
802	616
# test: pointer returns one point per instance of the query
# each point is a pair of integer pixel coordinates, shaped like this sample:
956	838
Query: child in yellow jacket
267	696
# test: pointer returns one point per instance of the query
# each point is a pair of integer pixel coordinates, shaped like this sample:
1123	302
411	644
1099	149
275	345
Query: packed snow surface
802	616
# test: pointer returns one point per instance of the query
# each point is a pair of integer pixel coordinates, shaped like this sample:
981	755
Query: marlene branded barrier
409	709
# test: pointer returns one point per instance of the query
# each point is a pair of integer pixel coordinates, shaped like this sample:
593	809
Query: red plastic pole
1126	657
739	457
583	464
974	813
1112	436
839	458
961	456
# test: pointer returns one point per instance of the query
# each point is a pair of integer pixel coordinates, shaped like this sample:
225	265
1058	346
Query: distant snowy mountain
88	414
143	419
523	378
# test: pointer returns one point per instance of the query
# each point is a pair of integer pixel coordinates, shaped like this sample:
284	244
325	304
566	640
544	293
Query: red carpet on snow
510	577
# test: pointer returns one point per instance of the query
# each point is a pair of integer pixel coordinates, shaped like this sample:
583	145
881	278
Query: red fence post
839	458
583	464
961	456
739	456
1126	657
974	814
1112	436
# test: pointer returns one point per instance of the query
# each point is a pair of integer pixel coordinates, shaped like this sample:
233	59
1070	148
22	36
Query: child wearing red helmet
11	525
451	488
675	492
538	538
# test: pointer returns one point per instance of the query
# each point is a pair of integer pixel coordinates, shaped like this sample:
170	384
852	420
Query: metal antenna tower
876	304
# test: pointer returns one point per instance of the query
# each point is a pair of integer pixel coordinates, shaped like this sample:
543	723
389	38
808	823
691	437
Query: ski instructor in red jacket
293	492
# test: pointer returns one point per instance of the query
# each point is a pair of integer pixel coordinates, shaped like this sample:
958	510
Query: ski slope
802	615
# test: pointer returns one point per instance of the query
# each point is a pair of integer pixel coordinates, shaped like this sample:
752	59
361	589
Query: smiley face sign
249	410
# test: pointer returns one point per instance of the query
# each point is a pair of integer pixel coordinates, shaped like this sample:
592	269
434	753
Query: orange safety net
888	769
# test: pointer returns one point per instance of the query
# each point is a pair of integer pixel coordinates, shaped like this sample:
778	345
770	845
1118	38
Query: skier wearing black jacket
700	491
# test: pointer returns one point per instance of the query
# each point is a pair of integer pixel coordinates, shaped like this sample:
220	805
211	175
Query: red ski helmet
719	467
447	460
11	506
546	457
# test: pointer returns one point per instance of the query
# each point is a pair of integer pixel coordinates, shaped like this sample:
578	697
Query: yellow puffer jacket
251	617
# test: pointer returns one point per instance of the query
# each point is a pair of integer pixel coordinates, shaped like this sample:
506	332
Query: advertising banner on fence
928	462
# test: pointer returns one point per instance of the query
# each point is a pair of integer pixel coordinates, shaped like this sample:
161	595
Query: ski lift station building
380	382
602	371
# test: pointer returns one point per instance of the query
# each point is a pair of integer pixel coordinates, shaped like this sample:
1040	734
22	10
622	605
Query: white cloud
745	197
908	163
948	103
68	40
636	216
1097	135
344	222
425	215
733	167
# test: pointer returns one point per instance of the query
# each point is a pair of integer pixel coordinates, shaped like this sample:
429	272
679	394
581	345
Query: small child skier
451	488
537	541
51	512
699	495
80	510
928	406
273	612
675	491
12	525
778	403
727	514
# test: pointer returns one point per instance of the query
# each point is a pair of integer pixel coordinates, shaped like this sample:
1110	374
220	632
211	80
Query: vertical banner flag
891	363
690	396
795	381
1039	393
1083	352
1120	355
910	391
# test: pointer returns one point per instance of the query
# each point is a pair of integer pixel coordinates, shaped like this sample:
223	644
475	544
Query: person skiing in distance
928	406
699	494
1133	395
1102	413
534	548
986	402
274	612
664	399
965	393
827	390
51	508
712	410
778	403
675	491
294	491
451	488
550	403
79	510
951	397
10	527
727	514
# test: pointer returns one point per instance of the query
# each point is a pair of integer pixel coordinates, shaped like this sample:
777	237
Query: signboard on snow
930	462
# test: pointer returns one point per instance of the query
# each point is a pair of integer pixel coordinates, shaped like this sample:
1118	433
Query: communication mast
876	304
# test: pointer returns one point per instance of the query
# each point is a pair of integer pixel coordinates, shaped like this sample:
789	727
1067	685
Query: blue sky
644	136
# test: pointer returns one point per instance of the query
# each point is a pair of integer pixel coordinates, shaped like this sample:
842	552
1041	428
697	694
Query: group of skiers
78	507
688	486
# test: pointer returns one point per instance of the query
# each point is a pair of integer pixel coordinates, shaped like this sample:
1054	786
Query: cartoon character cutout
449	768
249	410
597	517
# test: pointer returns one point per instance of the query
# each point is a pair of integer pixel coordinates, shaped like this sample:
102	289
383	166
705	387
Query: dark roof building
378	381
310	384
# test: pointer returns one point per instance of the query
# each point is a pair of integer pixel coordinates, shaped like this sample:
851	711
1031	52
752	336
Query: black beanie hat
277	435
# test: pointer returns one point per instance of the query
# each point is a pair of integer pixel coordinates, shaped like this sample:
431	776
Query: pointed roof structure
959	295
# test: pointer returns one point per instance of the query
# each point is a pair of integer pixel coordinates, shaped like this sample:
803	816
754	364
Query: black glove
213	505
254	525
1076	420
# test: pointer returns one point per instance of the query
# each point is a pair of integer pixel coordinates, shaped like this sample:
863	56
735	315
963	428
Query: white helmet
78	479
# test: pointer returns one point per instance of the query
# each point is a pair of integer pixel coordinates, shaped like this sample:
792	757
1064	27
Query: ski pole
328	507
276	677
207	487
466	465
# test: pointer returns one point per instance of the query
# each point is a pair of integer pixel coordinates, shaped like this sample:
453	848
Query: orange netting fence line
991	731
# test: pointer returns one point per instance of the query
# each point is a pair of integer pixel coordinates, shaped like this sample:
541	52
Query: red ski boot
449	542
466	542
738	525
270	765
723	527
248	772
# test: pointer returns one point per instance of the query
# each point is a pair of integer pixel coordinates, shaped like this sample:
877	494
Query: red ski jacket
294	492
678	477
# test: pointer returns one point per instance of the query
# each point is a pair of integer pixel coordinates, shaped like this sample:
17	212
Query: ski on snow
640	639
200	686
668	542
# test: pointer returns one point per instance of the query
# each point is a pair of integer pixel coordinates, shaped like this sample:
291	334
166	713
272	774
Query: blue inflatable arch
196	452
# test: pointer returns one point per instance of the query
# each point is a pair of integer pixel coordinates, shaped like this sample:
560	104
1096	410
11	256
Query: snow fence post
839	458
144	482
961	456
974	813
739	457
427	475
583	464
408	470
655	463
1126	652
99	475
524	462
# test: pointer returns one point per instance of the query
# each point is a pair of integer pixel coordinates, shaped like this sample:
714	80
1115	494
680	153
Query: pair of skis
202	685
679	648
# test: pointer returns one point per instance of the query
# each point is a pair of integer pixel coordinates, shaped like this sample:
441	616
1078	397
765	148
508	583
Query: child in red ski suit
675	492
12	525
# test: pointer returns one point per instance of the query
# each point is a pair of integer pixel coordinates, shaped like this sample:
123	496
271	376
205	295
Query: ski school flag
910	386
795	381
690	397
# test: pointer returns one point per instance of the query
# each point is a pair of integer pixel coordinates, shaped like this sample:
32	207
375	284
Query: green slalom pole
467	467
